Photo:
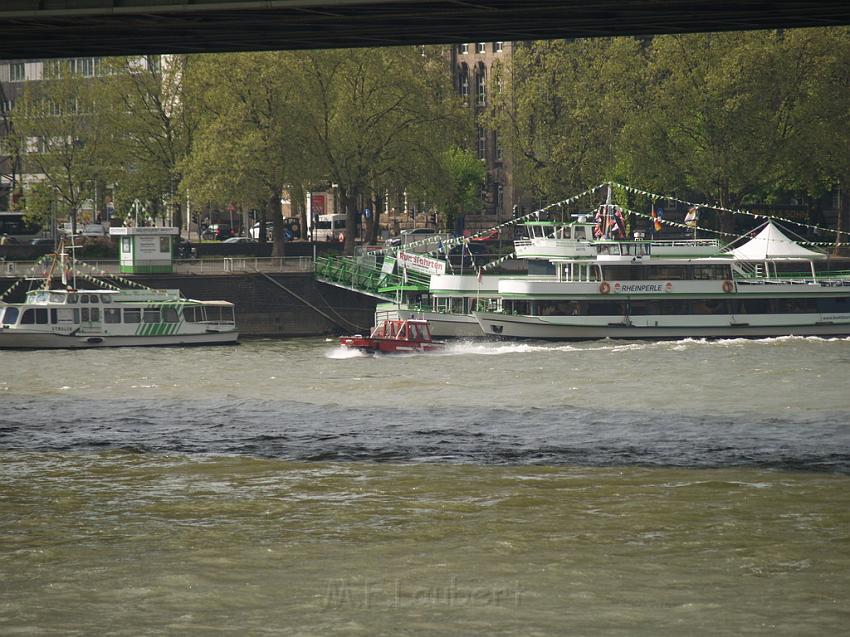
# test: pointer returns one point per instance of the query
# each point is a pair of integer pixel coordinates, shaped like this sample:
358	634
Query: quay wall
278	304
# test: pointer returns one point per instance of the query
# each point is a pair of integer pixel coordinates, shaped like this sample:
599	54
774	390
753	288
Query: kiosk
145	250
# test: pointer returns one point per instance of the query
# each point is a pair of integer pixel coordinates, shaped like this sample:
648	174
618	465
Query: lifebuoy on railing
728	286
605	287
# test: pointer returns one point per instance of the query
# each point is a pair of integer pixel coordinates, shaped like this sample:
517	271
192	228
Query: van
329	227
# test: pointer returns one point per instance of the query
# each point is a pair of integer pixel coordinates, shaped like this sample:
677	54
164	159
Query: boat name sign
642	287
419	263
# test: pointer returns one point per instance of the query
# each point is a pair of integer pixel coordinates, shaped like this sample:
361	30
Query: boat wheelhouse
395	337
625	292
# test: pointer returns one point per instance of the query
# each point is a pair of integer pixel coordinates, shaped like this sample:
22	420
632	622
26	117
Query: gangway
362	276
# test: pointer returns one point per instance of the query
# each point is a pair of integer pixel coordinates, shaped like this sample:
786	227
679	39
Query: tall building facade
473	65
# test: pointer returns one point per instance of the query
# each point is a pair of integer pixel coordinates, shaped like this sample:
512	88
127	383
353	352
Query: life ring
605	287
728	286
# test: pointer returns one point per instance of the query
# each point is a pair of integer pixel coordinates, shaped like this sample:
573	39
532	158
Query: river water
291	488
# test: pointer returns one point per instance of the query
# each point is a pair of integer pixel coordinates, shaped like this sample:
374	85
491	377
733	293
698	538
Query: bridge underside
63	28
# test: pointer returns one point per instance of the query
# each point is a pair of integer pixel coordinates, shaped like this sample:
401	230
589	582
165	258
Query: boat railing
225	265
268	264
713	243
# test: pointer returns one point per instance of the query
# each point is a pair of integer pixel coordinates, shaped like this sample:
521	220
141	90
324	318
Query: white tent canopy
771	244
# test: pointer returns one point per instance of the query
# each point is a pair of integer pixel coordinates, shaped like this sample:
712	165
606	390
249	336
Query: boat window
34	316
151	315
105	298
132	315
606	308
752	306
227	314
213	313
10	316
111	315
169	315
838	305
73	298
84	298
56	297
190	316
90	314
65	315
579	234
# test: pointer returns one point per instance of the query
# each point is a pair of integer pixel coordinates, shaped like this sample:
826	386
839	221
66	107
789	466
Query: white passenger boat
68	317
766	287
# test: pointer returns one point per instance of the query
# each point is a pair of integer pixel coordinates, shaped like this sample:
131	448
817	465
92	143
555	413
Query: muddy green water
260	490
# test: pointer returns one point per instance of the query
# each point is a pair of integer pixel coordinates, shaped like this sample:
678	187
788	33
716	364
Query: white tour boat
767	287
68	317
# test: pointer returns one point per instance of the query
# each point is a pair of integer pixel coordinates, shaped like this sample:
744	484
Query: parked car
291	229
240	240
218	232
411	235
44	241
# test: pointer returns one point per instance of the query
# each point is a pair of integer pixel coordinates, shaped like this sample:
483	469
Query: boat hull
32	339
387	346
561	328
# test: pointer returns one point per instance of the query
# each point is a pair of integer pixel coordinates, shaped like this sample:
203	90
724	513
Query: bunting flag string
683	226
756	215
448	243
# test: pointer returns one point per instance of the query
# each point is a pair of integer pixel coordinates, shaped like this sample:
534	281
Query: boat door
90	312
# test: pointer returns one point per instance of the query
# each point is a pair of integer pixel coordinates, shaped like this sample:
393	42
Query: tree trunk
350	203
841	222
273	208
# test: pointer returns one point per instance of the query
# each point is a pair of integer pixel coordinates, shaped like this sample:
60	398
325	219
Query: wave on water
482	347
547	436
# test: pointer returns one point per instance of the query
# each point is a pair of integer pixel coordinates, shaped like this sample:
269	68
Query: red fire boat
395	336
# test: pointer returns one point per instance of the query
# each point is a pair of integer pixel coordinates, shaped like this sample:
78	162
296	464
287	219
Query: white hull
659	327
443	324
33	339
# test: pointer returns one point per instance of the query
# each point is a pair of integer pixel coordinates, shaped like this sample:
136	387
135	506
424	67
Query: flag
692	218
656	217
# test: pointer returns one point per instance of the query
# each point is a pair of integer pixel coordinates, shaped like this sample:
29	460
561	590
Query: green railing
348	272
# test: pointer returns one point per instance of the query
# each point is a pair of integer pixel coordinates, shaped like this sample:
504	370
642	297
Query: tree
460	189
60	138
249	146
723	116
151	118
561	109
373	117
820	161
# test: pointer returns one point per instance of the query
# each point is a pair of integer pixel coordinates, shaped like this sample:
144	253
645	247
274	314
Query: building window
463	82
480	47
481	86
17	72
497	47
482	143
85	67
463	49
497	147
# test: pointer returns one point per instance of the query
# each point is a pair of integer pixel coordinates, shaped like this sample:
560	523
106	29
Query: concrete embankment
274	304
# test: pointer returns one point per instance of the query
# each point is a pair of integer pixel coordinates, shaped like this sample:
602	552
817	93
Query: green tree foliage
723	115
250	146
561	109
460	190
151	119
375	119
